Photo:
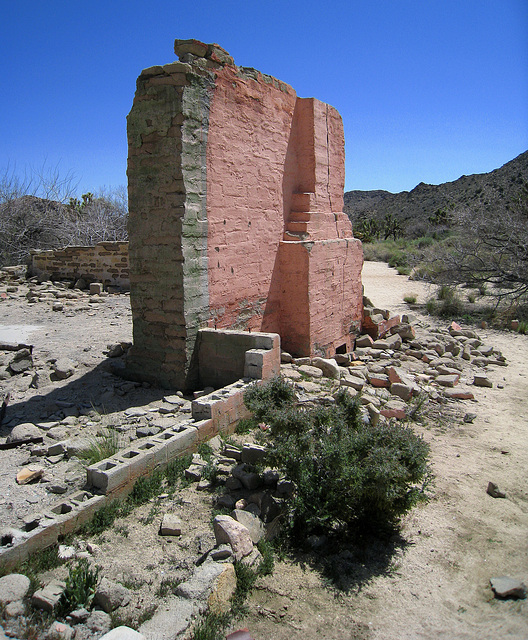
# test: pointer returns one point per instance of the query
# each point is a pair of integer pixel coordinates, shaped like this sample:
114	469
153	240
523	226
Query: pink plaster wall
281	254
249	130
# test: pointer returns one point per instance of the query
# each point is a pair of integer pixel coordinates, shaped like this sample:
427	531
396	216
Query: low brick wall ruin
106	262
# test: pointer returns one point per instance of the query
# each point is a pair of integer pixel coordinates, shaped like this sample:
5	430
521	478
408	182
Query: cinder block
107	475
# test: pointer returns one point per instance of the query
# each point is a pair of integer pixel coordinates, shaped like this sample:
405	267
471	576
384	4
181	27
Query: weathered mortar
232	180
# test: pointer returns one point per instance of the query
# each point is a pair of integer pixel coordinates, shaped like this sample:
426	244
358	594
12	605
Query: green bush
349	475
263	400
81	585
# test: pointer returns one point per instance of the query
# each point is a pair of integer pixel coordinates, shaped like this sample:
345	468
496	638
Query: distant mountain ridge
413	209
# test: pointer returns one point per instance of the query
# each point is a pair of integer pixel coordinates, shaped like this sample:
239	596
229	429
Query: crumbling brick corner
236	215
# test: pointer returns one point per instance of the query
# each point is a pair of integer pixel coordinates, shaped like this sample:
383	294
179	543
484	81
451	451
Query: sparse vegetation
81	586
348	475
144	489
167	586
410	298
103	446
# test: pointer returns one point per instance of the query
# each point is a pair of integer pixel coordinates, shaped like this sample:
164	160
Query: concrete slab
17	333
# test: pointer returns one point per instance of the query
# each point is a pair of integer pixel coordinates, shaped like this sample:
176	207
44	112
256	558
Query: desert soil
429	581
436	584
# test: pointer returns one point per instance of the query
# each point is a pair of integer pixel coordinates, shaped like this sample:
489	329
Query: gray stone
301	361
146	432
23	431
270	507
252	453
270	477
222	552
123	633
56	449
13	587
228	530
505	587
328	366
19	366
352	381
374	414
79	615
60	631
200	584
76	446
401	390
57	433
233	452
313	372
233	484
99	621
481	380
57	488
135	412
494	491
364	341
15	609
64	368
394	341
449	380
249	480
111	595
254	525
171	525
171	619
48	597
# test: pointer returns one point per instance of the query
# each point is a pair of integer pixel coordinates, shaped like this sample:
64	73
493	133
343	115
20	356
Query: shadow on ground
356	564
99	389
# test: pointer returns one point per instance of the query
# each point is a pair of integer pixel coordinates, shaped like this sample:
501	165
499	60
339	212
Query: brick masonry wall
106	262
232	179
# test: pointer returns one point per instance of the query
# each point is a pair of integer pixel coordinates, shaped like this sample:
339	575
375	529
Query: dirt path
437	584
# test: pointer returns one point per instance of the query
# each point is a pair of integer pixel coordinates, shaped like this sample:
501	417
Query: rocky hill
427	205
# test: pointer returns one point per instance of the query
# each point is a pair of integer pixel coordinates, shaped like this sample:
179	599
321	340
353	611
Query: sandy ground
430	582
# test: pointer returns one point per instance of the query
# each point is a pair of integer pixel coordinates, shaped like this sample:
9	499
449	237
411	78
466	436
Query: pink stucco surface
281	253
249	127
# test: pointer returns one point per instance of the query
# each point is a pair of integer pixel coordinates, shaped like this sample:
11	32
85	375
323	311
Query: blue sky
428	89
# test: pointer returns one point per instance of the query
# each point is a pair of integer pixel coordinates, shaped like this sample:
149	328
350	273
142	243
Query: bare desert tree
488	250
101	217
39	211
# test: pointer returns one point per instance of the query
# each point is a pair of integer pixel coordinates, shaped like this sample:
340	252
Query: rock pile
397	371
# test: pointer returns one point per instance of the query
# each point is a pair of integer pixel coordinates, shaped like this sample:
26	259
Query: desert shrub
430	306
451	304
349	475
410	298
81	585
264	400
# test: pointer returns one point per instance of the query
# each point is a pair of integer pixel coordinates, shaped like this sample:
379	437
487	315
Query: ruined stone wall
234	183
106	262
